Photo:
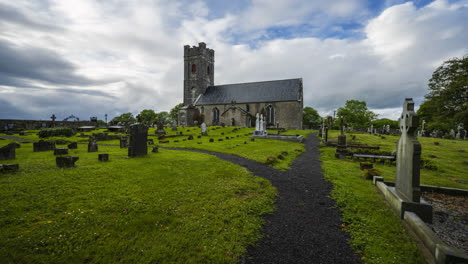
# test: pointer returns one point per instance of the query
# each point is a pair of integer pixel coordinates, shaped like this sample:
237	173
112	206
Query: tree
162	119
146	116
446	104
356	114
174	113
310	117
379	123
126	118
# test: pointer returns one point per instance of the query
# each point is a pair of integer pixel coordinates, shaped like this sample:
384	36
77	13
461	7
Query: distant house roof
268	91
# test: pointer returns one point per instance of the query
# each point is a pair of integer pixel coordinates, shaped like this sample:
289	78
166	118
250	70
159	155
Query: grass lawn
168	207
376	231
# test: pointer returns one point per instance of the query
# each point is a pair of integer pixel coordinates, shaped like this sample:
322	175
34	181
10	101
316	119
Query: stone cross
53	117
408	155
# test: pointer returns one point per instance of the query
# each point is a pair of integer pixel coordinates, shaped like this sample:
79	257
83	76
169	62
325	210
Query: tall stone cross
408	155
53	117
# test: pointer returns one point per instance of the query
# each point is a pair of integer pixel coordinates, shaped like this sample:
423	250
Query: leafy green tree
146	116
162	118
126	118
356	114
310	117
379	123
101	123
446	104
174	113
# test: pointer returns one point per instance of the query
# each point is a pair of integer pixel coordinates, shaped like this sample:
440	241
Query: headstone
190	137
123	142
8	152
5	168
138	138
43	146
155	149
92	145
61	151
203	129
195	123
408	155
211	140
103	157
261	123
341	146
150	141
73	145
452	133
463	134
66	161
257	122
326	134
174	126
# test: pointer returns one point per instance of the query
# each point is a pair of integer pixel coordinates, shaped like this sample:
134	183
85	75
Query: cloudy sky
92	57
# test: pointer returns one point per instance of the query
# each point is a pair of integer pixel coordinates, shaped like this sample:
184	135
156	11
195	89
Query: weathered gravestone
155	149
61	151
408	165
66	161
92	145
73	145
203	129
174	126
138	138
123	142
8	152
43	146
103	157
6	168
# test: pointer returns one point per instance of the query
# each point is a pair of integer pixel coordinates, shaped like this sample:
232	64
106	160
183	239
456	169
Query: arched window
215	116
247	107
202	110
270	115
208	70
194	68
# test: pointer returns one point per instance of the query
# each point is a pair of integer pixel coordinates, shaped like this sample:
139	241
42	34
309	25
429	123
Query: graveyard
137	209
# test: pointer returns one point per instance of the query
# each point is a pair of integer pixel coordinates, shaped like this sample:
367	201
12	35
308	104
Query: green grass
377	233
168	207
448	157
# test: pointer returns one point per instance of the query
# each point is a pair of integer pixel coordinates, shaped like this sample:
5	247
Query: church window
202	110
215	116
208	70
247	107
270	115
194	68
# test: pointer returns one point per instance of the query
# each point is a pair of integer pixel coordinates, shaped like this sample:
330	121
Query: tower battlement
197	51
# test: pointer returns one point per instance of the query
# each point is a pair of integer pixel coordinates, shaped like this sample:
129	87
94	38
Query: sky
92	57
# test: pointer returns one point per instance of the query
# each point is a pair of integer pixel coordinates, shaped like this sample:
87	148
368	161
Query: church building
280	101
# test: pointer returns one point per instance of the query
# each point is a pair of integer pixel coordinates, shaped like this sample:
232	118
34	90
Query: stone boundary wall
17	124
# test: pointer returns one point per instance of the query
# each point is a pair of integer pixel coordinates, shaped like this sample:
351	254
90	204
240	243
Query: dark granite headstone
43	146
8	152
61	151
92	145
190	137
155	149
5	168
73	145
211	140
123	142
66	161
138	138
103	157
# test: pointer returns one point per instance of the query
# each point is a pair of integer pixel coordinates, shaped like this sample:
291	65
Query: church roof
255	92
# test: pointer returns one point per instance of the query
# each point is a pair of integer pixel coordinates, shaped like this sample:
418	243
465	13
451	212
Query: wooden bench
375	157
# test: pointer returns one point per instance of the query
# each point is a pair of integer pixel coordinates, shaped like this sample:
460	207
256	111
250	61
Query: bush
56	132
271	160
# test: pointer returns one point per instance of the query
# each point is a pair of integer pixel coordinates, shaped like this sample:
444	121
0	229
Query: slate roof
268	91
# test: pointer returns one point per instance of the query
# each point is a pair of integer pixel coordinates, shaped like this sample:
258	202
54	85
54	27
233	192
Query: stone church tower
198	71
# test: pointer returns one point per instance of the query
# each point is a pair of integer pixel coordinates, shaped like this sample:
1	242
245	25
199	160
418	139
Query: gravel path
305	228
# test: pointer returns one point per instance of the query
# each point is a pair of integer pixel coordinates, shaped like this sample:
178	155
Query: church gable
256	92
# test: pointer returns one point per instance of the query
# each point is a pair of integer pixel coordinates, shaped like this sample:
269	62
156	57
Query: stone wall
287	114
16	124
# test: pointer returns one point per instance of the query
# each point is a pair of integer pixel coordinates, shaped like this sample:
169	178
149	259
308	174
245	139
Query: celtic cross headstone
408	155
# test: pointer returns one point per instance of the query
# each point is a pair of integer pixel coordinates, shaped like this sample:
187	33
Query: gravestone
452	133
211	140
73	145
408	164
174	126
6	168
203	129
66	161
8	152
341	146
61	151
463	134
92	145
43	146
103	157
190	137
155	149
150	141
123	142
138	138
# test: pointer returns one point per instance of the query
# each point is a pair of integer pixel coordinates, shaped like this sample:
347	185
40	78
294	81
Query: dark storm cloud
11	111
39	64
